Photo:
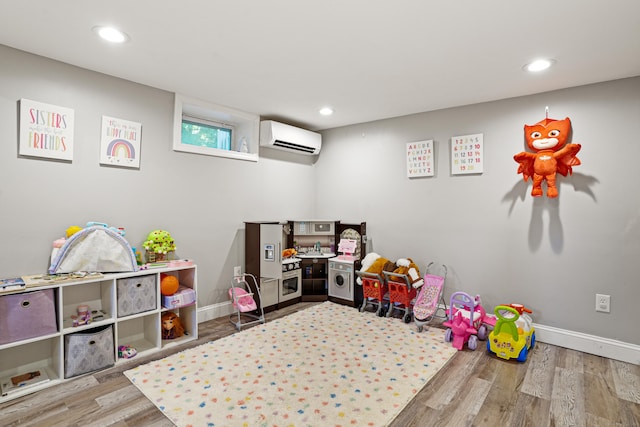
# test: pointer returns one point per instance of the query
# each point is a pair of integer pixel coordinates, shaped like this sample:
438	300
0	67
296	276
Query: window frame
245	126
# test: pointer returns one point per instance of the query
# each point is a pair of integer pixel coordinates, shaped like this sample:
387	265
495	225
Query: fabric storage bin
27	315
137	294
88	351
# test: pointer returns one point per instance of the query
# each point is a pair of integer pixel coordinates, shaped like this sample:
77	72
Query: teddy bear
376	264
407	267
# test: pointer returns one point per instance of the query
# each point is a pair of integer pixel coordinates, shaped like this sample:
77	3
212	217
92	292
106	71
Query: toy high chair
241	294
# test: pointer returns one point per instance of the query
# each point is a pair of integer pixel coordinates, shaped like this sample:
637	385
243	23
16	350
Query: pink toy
467	322
83	317
126	351
242	300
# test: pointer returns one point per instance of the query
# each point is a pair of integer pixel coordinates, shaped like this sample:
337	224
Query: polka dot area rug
327	365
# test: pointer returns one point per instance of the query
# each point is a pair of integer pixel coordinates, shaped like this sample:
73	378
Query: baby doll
171	326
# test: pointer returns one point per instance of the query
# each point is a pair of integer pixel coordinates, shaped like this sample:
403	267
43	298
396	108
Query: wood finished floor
554	387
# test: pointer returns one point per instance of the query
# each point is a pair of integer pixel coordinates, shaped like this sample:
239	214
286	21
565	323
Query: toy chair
245	307
242	300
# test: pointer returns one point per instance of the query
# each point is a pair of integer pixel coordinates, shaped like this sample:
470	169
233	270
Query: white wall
201	200
499	242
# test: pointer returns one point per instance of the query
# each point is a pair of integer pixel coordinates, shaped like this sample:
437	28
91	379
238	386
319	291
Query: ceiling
367	59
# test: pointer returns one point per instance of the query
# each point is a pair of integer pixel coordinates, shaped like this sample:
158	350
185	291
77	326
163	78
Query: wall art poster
466	154
120	143
420	159
45	130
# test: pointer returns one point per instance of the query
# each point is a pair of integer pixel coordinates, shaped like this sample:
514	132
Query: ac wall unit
289	138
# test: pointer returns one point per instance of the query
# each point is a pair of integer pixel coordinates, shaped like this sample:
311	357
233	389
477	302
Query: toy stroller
245	307
426	306
374	290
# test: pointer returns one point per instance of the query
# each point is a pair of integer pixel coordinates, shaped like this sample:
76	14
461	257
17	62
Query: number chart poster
420	159
120	143
46	130
466	154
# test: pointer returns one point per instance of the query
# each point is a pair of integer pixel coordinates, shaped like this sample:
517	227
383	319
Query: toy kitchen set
310	260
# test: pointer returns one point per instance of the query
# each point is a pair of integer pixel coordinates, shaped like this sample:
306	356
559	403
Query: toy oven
291	285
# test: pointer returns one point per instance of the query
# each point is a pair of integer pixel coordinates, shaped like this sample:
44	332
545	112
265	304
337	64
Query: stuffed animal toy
551	154
407	267
287	253
376	264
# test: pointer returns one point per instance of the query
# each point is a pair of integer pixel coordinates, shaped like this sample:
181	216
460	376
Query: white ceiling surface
368	59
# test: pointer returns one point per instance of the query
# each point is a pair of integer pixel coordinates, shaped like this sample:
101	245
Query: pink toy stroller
426	306
245	307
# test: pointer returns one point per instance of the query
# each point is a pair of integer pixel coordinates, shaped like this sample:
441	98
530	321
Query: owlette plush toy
374	263
547	139
407	267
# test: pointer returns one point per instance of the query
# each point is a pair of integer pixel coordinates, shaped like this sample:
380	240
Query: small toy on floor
126	352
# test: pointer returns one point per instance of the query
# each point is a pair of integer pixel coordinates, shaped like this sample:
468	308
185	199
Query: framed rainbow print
120	142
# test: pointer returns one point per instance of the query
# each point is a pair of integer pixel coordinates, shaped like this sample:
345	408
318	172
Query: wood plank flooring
554	387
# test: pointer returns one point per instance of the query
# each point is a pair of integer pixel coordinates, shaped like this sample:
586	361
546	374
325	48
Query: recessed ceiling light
326	111
539	65
111	34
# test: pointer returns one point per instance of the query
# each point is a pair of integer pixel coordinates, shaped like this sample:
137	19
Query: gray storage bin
88	351
137	294
27	315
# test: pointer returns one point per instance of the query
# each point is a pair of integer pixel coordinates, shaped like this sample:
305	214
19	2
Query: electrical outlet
237	271
603	303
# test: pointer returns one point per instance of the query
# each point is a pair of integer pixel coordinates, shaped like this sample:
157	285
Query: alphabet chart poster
120	144
466	154
420	159
46	130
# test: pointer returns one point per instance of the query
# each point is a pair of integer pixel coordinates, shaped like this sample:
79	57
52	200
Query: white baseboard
591	344
214	311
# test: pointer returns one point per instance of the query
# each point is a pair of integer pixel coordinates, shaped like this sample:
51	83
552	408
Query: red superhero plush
547	139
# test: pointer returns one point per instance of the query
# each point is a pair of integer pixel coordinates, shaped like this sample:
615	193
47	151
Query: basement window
204	133
200	127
